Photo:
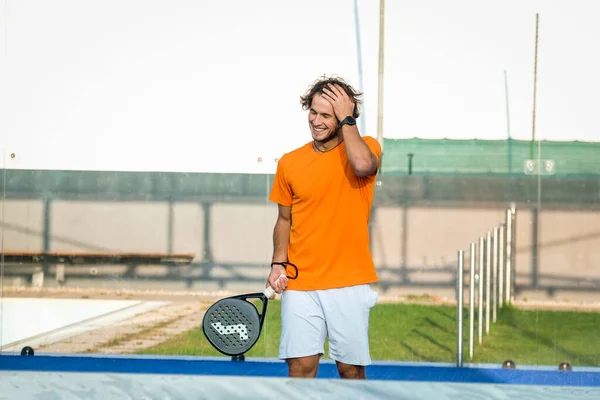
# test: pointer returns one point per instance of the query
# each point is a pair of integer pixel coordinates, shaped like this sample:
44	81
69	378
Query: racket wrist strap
286	265
280	263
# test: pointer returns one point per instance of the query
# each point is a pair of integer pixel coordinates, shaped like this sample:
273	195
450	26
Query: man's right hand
277	279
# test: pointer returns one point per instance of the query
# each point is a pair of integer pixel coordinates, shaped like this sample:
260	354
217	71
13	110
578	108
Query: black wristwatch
348	120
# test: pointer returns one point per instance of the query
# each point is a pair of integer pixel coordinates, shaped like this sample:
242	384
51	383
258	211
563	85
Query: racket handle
269	291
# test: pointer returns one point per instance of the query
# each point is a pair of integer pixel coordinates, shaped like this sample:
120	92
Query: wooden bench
62	258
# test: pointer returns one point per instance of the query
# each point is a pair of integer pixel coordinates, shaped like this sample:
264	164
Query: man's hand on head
342	104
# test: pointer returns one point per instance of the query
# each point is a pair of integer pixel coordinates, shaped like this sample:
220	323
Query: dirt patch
184	312
133	334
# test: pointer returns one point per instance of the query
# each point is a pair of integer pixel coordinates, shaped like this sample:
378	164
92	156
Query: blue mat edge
257	367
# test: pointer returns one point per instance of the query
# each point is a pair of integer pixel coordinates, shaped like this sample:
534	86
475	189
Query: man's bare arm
359	154
281	234
281	240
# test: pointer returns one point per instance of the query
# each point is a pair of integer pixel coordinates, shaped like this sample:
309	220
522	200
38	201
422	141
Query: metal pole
501	252
488	270
509	141
508	254
380	84
480	304
535	68
471	298
363	128
495	275
513	251
459	309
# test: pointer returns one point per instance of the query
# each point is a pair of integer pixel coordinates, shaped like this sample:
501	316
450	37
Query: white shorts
342	315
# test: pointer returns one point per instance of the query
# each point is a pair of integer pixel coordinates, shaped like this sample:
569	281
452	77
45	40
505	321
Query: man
324	192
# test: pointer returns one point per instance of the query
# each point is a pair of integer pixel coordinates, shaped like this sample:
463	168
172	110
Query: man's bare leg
303	367
348	371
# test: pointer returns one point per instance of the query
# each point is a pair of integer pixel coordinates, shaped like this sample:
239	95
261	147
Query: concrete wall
415	247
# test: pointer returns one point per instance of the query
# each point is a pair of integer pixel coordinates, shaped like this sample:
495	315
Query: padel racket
233	325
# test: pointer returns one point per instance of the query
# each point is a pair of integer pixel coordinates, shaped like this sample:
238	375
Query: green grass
412	332
543	338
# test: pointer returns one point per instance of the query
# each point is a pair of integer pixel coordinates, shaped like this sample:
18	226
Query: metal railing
491	282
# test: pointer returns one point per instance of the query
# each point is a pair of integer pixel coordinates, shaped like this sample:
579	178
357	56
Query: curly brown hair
321	83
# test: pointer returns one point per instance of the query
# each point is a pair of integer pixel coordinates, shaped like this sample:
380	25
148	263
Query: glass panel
3	326
556	261
123	262
535	227
4	133
122	231
132	199
556	229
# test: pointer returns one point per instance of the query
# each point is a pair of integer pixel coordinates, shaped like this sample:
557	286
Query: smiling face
322	120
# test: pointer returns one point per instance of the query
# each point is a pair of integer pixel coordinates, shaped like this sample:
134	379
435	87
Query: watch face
349	120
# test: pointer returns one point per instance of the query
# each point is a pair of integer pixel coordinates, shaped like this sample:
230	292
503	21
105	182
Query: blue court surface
151	377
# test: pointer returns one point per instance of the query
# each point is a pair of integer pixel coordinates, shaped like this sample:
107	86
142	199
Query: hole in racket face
232	326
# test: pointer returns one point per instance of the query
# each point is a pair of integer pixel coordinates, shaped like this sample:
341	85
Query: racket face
232	326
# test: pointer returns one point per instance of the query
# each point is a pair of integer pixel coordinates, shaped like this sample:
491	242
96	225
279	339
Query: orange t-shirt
331	207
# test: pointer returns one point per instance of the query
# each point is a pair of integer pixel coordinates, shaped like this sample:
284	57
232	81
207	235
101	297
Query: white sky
198	85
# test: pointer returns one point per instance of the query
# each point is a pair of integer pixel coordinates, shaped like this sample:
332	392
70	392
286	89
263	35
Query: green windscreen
448	156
